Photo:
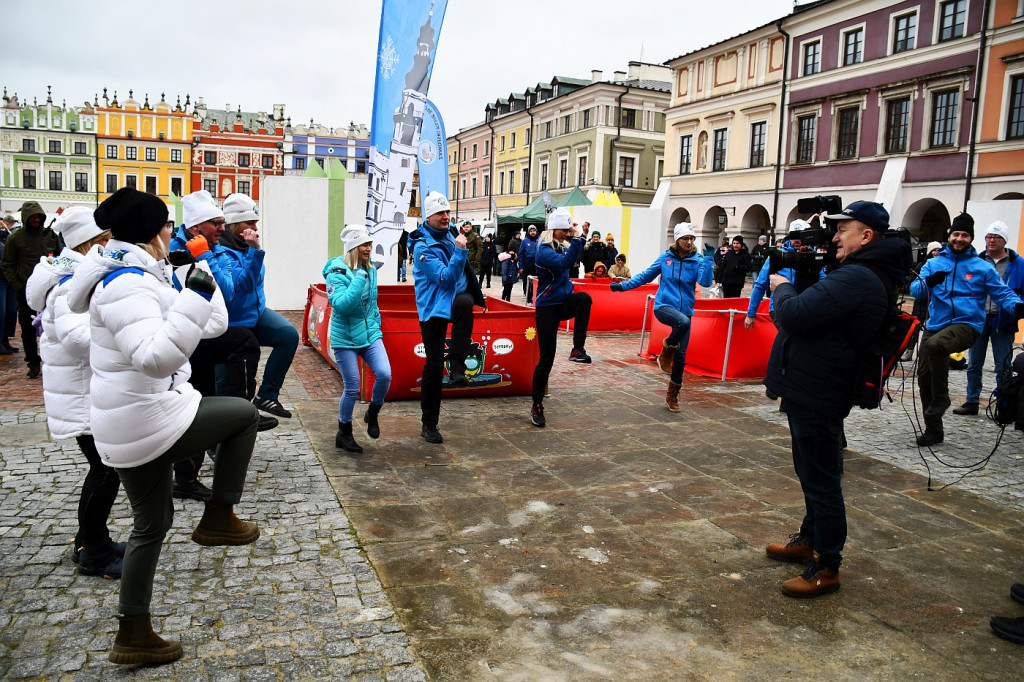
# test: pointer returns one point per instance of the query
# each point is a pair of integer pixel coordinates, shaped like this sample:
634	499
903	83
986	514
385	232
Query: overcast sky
317	56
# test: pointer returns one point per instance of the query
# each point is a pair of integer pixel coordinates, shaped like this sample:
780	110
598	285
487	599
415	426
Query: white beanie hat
355	235
799	225
559	219
999	229
240	208
435	202
200	207
932	246
77	226
683	230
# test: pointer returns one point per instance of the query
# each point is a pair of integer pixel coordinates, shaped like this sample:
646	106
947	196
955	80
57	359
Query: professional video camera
816	248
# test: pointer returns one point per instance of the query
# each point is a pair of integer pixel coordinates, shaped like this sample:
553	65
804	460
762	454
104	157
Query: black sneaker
581	356
34	371
272	406
266	423
111	570
537	415
457	380
1011	629
431	434
1017	592
191	490
117	547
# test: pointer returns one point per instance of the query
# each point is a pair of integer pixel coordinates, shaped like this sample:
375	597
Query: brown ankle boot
137	643
815	581
220	526
665	356
672	396
796	551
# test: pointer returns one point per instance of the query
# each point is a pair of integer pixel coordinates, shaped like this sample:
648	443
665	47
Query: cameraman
812	366
791	244
957	283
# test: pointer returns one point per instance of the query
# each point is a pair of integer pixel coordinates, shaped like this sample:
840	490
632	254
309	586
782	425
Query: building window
463	189
586	118
721	140
111	184
474	151
175	156
131	181
581	170
463	155
512	182
757	133
243	160
1015	119
111	151
853	47
131	153
543	176
320	161
685	154
563	173
904	34
210	158
56	181
176	187
526	141
526	180
81	182
512	140
501	182
28	145
626	164
300	163
547	130
150	153
243	187
487	185
944	119
453	189
267	161
846	143
812	57
566	124
897	125
210	186
360	166
805	139
81	148
150	184
472	188
629	118
54	146
501	141
28	179
487	148
953	17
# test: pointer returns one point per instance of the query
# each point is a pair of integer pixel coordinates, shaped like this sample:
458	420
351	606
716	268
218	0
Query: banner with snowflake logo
409	30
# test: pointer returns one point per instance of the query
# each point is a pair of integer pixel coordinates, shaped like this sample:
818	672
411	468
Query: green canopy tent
574	198
534	213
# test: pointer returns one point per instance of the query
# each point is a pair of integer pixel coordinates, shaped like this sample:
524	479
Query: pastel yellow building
144	146
511	162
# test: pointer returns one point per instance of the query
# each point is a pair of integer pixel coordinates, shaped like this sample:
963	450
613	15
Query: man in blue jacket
958	284
812	366
446	290
999	328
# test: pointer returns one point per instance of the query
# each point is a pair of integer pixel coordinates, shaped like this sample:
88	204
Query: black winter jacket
823	329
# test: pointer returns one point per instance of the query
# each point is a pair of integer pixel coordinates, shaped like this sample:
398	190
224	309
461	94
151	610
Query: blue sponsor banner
433	153
409	30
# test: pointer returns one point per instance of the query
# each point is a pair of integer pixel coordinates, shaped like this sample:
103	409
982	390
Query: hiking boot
191	490
666	355
219	526
431	434
272	406
672	396
457	380
797	551
929	438
370	418
1017	592
580	355
34	370
966	408
267	423
137	643
118	548
109	569
1011	629
815	581
344	439
537	415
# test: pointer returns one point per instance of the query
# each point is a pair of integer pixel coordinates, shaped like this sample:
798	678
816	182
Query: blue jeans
278	333
376	357
1002	344
8	310
817	442
680	323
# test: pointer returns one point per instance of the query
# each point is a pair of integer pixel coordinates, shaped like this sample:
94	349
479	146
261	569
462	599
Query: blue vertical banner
433	153
409	30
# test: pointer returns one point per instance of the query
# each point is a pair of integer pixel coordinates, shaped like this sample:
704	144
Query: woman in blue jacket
355	331
681	269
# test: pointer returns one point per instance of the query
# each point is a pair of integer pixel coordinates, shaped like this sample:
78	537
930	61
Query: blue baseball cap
871	213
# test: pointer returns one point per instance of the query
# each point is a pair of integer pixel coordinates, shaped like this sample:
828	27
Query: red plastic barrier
748	351
614	312
504	343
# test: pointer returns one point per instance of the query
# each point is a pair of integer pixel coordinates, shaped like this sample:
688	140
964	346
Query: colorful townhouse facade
234	151
319	144
47	154
144	146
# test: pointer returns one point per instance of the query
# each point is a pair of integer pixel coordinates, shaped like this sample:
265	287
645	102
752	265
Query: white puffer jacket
143	332
63	347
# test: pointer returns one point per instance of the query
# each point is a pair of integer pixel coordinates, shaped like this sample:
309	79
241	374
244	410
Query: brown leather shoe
797	551
672	396
815	581
219	526
137	643
666	355
966	408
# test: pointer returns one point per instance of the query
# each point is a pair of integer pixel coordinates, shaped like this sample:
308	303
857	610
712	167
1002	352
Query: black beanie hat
962	223
132	216
738	238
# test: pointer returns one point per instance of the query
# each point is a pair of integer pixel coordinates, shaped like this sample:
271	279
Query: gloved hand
197	246
936	278
617	286
201	282
1018	311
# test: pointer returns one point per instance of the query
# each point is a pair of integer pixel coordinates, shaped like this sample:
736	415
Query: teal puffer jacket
355	317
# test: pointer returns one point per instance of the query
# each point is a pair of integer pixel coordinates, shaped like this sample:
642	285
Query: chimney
620	76
596	76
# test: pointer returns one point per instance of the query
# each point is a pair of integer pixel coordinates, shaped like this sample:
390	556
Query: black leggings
433	332
548	317
99	490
